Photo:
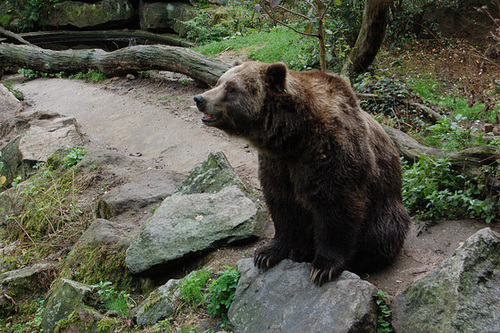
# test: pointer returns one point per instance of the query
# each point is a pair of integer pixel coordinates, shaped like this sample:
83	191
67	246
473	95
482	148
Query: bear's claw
267	256
320	276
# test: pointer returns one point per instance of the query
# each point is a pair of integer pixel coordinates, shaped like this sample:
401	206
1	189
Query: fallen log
468	161
119	62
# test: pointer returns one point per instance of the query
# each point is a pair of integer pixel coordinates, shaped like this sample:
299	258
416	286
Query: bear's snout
200	101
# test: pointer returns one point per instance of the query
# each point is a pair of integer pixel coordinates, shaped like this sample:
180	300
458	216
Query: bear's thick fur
330	174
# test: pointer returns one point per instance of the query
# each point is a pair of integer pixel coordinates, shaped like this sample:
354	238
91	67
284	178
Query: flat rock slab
186	224
283	299
45	137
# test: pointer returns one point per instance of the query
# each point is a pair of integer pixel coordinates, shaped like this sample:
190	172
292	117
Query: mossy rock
23	286
86	320
99	256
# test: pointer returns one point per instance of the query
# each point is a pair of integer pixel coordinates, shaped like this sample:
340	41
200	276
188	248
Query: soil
154	120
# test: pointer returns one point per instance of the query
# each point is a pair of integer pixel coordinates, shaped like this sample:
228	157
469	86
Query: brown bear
331	176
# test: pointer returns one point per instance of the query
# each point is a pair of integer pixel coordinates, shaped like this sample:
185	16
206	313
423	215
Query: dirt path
154	119
150	125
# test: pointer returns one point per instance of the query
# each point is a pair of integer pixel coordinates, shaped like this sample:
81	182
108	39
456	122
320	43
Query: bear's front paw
268	255
323	270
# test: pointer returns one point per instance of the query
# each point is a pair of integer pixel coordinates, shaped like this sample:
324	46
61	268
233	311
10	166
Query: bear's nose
200	101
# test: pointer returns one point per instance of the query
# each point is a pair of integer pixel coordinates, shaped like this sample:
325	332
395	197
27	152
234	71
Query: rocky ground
153	121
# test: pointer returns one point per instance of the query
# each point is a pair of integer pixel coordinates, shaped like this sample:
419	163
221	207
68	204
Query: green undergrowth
215	296
384	314
90	76
279	44
109	298
28	318
48	204
434	190
451	100
16	92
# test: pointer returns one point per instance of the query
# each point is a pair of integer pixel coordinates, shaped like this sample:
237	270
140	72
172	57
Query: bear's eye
230	89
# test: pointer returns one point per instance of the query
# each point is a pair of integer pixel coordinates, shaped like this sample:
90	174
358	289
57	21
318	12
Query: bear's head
236	104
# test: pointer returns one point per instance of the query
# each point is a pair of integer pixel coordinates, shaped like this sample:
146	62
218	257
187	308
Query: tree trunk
370	37
119	62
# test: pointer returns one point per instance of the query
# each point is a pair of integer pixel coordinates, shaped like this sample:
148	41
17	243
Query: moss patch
94	262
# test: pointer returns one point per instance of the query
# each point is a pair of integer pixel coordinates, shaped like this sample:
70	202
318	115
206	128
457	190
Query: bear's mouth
208	118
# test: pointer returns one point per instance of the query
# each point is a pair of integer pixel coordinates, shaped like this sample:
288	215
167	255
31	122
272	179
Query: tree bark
119	62
370	37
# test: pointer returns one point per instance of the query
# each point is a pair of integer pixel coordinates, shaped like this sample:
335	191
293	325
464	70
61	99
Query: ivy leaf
3	179
338	2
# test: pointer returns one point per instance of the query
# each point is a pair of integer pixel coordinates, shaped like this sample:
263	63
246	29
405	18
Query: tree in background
370	37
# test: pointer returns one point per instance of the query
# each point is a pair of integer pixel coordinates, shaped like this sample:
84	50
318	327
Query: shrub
433	190
222	292
194	287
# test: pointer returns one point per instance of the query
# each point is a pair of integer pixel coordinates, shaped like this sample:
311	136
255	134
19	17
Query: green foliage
434	190
406	20
48	200
73	156
299	52
28	320
279	44
447	134
341	27
91	76
391	93
161	326
222	292
193	289
391	104
17	93
217	297
384	314
110	299
5	18
32	13
208	26
435	92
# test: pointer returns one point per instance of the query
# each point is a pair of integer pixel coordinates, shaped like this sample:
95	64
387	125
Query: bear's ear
275	76
236	63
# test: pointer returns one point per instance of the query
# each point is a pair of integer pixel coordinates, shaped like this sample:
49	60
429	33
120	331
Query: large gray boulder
283	299
186	224
212	207
76	14
64	298
461	295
